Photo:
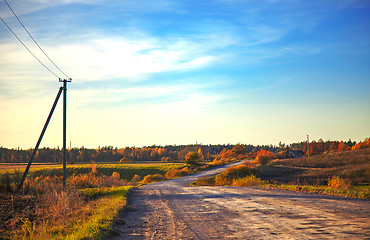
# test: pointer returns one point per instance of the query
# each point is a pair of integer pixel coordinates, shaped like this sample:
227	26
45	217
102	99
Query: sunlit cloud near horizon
174	72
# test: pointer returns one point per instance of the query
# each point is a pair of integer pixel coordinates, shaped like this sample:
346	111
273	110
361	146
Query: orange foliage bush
136	178
153	178
339	183
166	159
173	173
125	160
93	168
116	175
264	156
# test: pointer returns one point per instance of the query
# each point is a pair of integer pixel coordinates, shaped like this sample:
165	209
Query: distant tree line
174	152
322	146
111	154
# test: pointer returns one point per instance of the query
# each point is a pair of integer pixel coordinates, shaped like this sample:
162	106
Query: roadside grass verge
353	192
99	224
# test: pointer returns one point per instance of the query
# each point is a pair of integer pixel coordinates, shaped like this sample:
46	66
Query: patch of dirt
14	208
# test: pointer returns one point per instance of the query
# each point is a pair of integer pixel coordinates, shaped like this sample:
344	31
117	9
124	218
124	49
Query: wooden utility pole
64	89
64	130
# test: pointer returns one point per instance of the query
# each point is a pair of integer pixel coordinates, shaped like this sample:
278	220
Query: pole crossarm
65	80
40	138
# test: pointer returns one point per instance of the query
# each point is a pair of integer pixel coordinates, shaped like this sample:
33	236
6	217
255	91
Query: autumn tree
239	149
342	146
192	158
200	153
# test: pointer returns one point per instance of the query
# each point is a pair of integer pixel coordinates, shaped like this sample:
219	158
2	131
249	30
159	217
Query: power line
34	39
28	48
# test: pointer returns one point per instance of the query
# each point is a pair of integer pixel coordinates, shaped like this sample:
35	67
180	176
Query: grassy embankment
94	194
339	173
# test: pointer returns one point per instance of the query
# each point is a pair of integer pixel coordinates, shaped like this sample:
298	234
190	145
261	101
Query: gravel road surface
174	210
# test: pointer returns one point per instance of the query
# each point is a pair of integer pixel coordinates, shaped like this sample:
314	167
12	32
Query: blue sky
178	72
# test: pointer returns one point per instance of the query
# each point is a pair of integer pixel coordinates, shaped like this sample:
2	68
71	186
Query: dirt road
174	210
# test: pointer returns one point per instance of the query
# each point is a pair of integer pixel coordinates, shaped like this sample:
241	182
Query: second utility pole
308	146
64	130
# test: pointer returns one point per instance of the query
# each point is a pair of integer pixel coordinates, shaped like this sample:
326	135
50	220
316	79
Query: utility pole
308	146
65	129
64	89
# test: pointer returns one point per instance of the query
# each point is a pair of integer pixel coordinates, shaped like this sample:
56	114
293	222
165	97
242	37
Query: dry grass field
353	165
344	174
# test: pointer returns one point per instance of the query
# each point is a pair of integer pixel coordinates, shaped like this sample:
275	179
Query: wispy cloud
113	58
170	94
29	6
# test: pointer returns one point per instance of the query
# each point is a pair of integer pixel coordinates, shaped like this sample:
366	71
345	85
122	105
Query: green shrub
234	172
192	158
